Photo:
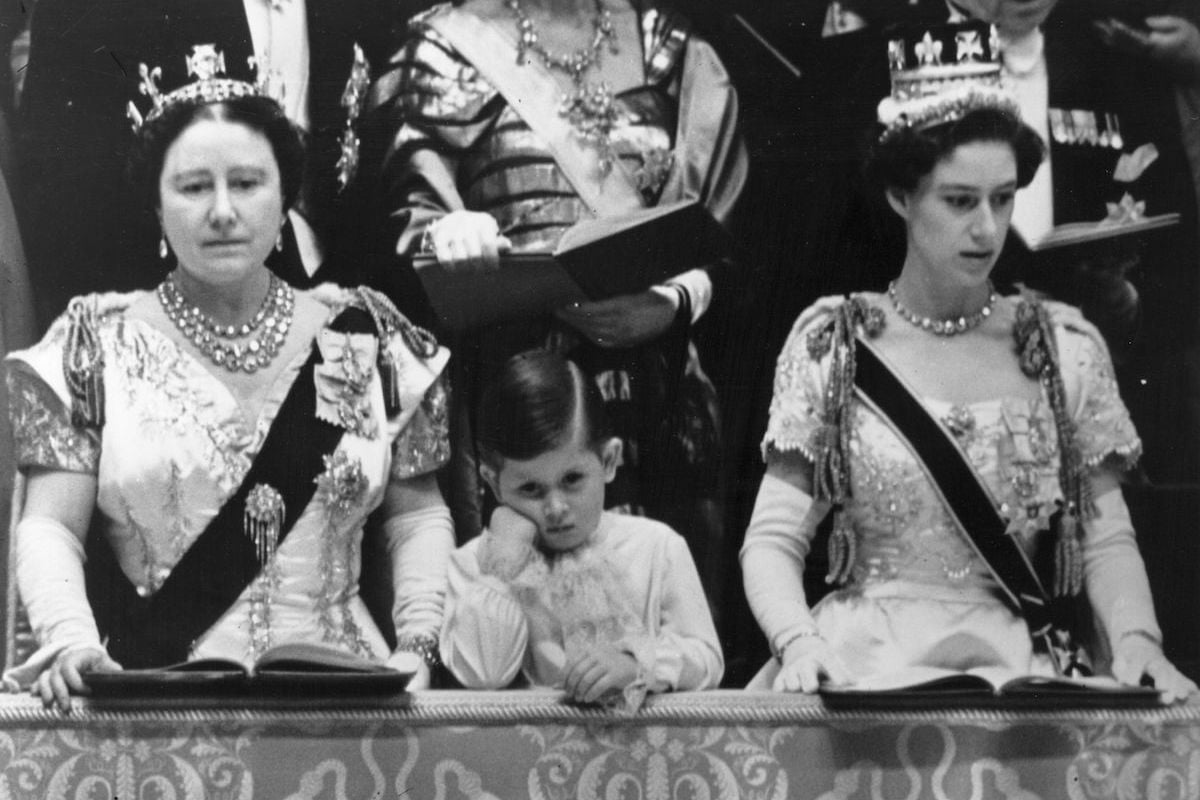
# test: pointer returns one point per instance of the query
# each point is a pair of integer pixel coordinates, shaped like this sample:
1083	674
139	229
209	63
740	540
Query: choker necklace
944	327
274	317
590	108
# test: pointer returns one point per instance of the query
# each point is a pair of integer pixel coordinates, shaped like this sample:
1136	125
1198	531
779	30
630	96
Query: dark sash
969	502
160	629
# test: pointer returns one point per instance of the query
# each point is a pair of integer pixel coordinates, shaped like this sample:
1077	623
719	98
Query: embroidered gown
175	445
918	594
454	143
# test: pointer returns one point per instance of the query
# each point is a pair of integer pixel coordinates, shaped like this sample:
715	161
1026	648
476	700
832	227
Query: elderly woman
952	460
510	120
224	437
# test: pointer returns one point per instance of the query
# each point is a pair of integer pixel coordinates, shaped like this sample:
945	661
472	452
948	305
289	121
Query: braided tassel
1068	557
841	550
83	365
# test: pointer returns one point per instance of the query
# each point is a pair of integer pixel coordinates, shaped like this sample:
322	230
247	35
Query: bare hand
597	672
1137	657
1171	41
623	321
65	676
805	662
468	241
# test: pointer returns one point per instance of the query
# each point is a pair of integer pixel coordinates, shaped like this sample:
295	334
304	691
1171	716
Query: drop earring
279	242
163	250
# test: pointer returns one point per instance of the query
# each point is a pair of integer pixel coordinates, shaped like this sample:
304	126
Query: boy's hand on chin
510	543
597	672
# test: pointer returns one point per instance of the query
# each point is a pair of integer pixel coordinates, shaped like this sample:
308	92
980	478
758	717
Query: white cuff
697	284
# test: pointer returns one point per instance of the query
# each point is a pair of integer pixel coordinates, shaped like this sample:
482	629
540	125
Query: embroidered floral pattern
424	446
42	428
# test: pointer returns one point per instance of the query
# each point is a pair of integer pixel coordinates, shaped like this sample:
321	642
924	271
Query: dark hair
907	155
260	114
529	407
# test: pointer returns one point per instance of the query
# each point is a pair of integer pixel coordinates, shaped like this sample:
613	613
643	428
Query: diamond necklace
944	327
590	108
274	316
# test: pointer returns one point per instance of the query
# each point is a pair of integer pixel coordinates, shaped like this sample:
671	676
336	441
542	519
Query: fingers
1173	684
468	241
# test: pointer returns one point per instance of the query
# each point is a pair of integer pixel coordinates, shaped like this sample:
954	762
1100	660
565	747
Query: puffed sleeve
797	403
485	633
429	106
40	411
1103	428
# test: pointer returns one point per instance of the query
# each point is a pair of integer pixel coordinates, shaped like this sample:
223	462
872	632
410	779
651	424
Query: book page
907	678
312	657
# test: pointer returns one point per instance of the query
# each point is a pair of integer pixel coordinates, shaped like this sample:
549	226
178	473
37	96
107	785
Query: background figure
201	459
82	230
463	170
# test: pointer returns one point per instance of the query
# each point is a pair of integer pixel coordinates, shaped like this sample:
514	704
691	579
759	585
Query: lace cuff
42	430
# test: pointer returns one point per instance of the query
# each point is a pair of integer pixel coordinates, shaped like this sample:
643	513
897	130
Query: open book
297	666
926	687
595	259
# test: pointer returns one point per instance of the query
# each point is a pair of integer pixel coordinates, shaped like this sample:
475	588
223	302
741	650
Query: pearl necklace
274	316
944	327
590	108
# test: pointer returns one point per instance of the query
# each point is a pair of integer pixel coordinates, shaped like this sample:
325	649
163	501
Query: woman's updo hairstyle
902	157
530	407
260	114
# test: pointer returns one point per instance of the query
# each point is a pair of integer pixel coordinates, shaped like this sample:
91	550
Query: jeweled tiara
207	65
940	75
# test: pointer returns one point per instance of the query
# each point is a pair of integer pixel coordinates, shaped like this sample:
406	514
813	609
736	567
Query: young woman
1022	399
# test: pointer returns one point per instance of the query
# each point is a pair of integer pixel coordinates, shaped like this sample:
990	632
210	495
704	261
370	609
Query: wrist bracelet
801	634
423	644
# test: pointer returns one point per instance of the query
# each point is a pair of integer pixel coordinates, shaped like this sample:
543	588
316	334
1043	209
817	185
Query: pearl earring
279	242
163	250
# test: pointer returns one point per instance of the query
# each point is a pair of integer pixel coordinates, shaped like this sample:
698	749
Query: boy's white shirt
488	638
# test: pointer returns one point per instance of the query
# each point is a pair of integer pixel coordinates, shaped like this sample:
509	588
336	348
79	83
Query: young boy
606	607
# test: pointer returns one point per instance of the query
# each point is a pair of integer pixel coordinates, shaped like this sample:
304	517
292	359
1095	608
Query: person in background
971	506
224	437
556	590
468	171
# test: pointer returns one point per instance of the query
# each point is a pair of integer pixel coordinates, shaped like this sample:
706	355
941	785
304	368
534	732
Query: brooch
262	521
343	381
342	483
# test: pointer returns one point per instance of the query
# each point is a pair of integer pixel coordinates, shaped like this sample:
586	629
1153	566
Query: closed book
934	687
595	259
292	667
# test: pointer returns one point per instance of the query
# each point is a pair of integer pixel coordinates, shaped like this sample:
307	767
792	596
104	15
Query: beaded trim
424	645
943	327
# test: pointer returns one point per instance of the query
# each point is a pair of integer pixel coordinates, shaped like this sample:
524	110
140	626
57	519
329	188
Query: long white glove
419	544
49	570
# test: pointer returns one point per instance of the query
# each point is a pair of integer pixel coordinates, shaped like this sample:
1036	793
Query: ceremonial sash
524	87
970	503
160	629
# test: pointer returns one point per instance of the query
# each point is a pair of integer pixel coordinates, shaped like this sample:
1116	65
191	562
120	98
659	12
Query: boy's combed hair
529	406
